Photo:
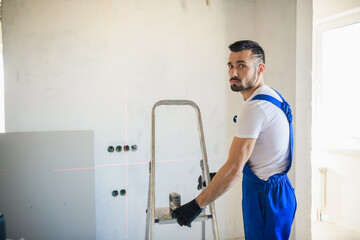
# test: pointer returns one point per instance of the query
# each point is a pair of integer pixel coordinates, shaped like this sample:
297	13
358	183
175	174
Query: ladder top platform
162	216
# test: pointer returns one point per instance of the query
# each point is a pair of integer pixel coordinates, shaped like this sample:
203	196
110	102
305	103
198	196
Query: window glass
338	113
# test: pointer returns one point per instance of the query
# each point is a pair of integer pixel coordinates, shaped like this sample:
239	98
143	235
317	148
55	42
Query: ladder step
162	216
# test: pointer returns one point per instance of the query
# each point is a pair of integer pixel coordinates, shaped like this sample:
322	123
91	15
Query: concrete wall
101	65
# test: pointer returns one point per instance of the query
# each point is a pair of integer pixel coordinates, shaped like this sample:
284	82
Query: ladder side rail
202	145
203	177
148	210
207	171
203	230
152	174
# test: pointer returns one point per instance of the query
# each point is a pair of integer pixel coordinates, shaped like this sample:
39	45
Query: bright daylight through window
338	114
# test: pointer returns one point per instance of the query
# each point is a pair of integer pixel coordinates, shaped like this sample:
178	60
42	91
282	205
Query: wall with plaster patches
101	65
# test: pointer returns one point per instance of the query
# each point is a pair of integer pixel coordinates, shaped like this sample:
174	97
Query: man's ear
261	69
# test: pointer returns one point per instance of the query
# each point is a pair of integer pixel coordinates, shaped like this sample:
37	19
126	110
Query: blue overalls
269	206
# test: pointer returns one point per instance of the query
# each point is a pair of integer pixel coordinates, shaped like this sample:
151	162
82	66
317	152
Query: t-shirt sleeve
250	121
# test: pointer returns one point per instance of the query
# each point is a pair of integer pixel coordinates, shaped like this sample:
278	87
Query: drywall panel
47	185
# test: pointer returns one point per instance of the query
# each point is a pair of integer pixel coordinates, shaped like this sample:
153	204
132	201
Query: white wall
2	104
302	145
341	206
101	65
326	8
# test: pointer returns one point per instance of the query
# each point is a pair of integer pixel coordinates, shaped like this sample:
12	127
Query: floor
326	231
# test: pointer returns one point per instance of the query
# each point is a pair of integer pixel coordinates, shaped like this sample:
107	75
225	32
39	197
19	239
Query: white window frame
319	27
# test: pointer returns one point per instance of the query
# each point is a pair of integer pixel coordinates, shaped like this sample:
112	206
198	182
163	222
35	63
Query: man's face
242	72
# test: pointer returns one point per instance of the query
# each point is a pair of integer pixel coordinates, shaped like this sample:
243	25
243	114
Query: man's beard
242	87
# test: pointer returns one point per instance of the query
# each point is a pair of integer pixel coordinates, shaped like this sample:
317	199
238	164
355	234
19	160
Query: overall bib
269	206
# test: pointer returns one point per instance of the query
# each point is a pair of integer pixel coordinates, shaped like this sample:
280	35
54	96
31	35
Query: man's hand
187	213
201	182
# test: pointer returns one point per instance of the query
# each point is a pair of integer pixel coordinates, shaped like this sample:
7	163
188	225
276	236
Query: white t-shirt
263	120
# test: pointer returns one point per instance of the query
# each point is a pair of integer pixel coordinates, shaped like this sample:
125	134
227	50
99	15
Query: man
261	149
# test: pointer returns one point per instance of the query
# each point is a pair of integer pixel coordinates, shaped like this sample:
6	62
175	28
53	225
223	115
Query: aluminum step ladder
162	215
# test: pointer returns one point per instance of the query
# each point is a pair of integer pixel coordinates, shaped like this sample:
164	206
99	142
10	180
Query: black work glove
201	182
187	213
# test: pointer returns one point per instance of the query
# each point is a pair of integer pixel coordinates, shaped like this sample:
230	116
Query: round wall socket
115	193
134	148
122	192
110	149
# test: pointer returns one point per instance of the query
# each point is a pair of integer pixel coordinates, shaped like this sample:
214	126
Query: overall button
262	194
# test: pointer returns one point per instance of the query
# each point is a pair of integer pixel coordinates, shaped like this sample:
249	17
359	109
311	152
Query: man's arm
240	151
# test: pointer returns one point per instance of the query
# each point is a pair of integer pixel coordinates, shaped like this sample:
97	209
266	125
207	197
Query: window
337	85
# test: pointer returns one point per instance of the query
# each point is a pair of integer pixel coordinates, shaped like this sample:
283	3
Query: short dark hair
254	47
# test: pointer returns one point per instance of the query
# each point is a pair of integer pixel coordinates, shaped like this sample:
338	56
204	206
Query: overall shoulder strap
285	107
267	98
